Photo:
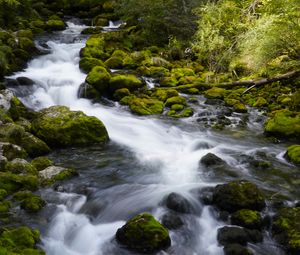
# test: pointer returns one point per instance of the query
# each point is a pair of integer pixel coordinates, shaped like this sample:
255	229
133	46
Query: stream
146	159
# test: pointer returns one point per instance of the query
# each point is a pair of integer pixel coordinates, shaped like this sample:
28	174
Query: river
146	159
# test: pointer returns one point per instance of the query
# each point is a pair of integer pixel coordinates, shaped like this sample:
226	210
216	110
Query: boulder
86	64
29	201
286	229
144	234
215	93
175	100
60	127
178	203
211	159
172	221
52	174
12	151
41	163
238	195
55	25
145	106
293	154
20	166
283	123
236	249
25	81
99	78
247	218
129	81
236	235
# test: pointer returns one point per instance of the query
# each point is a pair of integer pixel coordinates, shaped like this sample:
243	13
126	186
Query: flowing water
146	159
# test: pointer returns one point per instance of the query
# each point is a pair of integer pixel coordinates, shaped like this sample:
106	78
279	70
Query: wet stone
172	221
178	203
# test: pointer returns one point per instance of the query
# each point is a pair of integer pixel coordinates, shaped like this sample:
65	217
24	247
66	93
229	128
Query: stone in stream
25	81
293	154
178	203
55	173
60	127
172	221
247	218
237	195
144	234
211	159
236	249
286	229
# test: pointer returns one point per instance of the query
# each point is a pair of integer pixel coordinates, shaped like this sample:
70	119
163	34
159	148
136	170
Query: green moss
146	106
99	78
182	72
157	72
185	113
293	154
164	94
20	166
215	92
60	127
26	44
144	233
114	62
88	63
131	82
286	229
247	218
55	25
3	194
65	174
12	182
168	82
41	163
4	207
175	100
284	124
29	201
120	93
260	102
177	107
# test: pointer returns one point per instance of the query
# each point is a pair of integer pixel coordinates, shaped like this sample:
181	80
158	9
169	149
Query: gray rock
50	172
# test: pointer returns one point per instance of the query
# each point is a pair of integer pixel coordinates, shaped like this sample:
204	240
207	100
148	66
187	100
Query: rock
247	218
211	159
144	234
164	94
120	93
181	72
236	249
185	113
12	151
215	93
51	172
20	166
99	78
206	195
4	207
236	235
238	195
178	203
260	102
87	64
55	25
293	154
88	91
41	163
283	123
172	221
24	81
60	127
3	194
146	106
114	62
286	229
5	99
29	201
175	100
168	82
129	81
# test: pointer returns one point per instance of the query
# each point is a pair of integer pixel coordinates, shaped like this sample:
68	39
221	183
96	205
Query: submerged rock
211	159
55	173
29	201
286	229
144	234
238	195
178	203
172	221
60	127
236	249
247	218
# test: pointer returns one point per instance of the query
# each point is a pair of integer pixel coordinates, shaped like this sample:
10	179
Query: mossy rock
99	78
3	194
40	163
114	62
175	100
25	33
238	195
20	240
26	44
182	72
12	151
18	110
185	113
55	25
168	82
29	201
177	107
247	218
164	94
20	166
283	123
60	127
53	174
293	154
4	207
146	106
86	64
144	234
120	93
215	93
88	91
260	102
129	81
156	61
13	182
286	229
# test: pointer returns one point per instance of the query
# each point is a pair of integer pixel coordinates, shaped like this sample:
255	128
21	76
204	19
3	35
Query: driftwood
254	83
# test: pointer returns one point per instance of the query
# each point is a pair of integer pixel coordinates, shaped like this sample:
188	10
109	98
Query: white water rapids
174	150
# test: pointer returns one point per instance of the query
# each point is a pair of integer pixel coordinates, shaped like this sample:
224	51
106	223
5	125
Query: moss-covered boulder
175	100
99	78
55	25
12	151
146	106
114	62
14	182
86	64
29	201
168	82
20	166
16	134
3	194
293	154
247	218
40	163
144	234
185	113
164	94
283	123
182	72
22	240
238	195
128	81
53	174
120	93
260	102
4	207
60	127
217	93
286	229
